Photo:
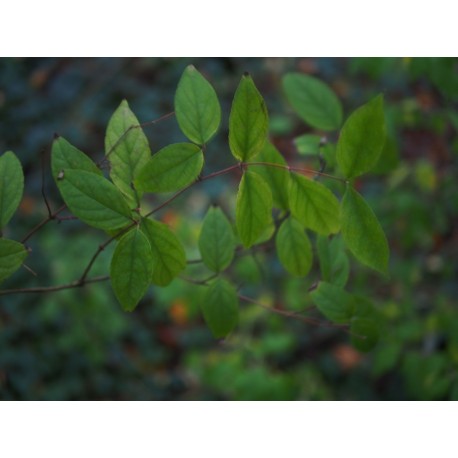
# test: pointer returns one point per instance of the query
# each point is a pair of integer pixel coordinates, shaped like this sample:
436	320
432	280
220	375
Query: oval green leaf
276	178
334	262
131	268
171	169
11	186
253	208
362	232
220	308
314	205
248	121
364	334
293	248
127	150
333	302
12	255
314	101
361	139
94	199
65	156
169	258
216	240
197	109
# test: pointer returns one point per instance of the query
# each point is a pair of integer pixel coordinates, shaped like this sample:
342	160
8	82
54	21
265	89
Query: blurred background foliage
78	344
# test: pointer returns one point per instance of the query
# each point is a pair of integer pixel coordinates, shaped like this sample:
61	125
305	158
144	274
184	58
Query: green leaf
308	144
361	139
253	209
131	268
313	205
220	308
333	302
276	178
171	169
12	255
314	101
197	109
216	241
334	263
94	199
65	156
388	159
364	334
362	232
248	121
169	258
11	186
293	248
127	150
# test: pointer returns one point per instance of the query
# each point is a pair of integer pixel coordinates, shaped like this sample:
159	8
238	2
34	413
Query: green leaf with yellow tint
248	121
197	109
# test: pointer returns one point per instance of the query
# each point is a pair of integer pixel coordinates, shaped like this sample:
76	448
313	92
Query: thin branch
294	315
295	169
43	223
50	289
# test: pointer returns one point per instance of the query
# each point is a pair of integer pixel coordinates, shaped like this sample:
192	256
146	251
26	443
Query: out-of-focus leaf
361	139
314	101
362	232
220	308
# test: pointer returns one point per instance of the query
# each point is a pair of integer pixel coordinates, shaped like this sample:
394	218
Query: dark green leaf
333	302
361	139
313	100
293	248
127	150
171	169
364	333
362	232
94	199
196	107
254	208
131	268
216	241
12	255
389	157
248	121
334	263
65	156
276	178
169	258
313	205
11	186
220	308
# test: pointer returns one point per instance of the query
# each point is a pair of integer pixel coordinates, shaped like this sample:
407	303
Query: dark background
78	344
